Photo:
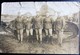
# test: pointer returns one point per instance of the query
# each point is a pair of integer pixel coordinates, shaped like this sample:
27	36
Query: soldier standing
38	26
28	23
19	28
60	25
48	21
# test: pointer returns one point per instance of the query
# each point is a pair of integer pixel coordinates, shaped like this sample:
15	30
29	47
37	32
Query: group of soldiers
38	23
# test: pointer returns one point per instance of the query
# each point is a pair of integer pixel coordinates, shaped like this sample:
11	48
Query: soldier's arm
42	21
23	23
52	20
31	20
64	23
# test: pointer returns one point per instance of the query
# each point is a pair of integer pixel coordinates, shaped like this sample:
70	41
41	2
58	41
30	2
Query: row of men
38	23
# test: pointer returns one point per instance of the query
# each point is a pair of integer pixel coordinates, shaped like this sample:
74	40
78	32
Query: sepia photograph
40	27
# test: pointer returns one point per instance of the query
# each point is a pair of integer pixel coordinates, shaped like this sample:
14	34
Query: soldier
70	17
19	28
60	25
48	21
38	26
28	23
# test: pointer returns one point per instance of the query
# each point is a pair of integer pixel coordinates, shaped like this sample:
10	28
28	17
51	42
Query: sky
65	8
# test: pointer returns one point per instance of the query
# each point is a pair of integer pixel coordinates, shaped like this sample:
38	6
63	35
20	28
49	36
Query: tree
44	9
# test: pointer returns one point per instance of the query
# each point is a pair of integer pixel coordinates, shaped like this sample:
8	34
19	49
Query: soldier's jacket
19	23
48	21
28	22
59	23
38	22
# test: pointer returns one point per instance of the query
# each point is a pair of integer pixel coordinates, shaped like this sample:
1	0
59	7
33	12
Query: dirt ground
9	44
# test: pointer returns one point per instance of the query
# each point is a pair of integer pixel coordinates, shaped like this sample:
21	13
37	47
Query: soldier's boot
21	39
18	37
60	41
32	40
61	37
27	38
51	39
47	38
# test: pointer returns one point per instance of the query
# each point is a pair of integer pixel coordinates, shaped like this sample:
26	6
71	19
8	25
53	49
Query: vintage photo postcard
40	27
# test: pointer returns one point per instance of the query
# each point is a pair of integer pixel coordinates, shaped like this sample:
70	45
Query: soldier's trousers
20	34
29	31
48	32
60	36
39	34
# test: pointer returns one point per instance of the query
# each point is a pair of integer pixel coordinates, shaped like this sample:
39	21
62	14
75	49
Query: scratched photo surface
40	27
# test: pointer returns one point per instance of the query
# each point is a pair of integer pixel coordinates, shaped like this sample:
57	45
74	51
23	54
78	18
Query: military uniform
38	22
19	23
38	25
28	25
48	21
19	28
60	25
